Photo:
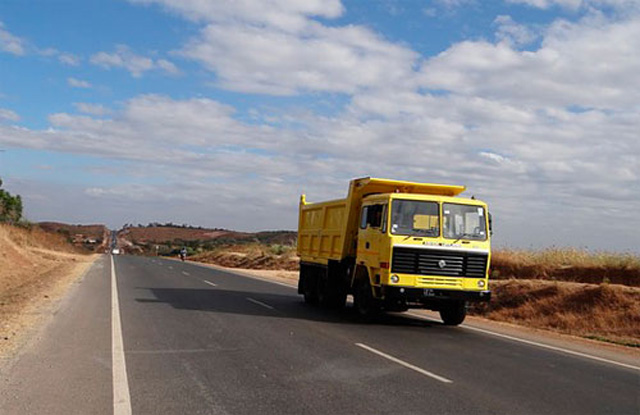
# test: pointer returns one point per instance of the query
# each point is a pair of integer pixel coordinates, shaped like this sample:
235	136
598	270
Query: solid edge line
559	349
259	303
405	364
121	397
541	345
210	283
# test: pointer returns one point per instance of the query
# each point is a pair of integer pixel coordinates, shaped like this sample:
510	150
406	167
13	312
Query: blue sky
220	113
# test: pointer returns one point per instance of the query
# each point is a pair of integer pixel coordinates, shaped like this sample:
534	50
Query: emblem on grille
442	263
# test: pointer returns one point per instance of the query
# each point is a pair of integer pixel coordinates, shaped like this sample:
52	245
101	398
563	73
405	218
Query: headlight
481	283
395	279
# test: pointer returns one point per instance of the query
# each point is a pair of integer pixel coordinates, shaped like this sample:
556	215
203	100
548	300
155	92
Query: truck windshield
415	218
464	222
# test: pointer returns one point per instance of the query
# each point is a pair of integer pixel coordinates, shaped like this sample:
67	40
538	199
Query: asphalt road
202	341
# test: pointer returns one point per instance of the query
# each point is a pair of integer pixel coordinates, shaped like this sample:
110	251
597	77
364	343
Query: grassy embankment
588	294
36	267
577	292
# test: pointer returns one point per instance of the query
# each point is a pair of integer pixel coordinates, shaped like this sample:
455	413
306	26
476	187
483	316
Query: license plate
429	293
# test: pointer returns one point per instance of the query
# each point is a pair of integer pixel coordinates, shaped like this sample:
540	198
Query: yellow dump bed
328	230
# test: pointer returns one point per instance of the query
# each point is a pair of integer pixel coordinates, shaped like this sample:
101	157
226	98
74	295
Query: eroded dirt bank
36	269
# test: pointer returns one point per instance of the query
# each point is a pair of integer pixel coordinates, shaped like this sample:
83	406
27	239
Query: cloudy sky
220	113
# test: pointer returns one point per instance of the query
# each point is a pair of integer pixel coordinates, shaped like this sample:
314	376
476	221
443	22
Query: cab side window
373	216
363	217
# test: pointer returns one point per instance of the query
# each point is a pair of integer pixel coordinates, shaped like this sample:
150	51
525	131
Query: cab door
372	239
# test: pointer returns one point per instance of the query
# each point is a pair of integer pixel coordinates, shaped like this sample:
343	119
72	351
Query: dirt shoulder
36	270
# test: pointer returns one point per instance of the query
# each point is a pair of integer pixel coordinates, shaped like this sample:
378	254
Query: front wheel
367	307
453	313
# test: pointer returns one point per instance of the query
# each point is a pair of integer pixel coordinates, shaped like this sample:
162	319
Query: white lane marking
253	277
121	397
170	267
259	303
559	349
533	343
405	364
185	273
210	283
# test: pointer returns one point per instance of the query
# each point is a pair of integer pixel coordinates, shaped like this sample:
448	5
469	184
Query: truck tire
453	313
336	300
309	289
366	306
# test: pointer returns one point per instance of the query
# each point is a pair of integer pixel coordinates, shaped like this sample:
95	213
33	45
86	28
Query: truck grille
427	262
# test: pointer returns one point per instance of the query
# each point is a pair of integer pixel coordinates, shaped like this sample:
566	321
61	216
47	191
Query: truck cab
423	251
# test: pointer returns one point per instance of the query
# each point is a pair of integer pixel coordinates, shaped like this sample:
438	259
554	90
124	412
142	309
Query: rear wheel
453	313
309	289
337	299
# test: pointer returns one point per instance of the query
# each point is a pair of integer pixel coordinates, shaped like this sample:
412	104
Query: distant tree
10	206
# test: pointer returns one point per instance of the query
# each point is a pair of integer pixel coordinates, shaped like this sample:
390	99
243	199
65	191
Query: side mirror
490	225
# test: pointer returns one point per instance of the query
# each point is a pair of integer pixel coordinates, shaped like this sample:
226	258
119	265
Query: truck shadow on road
260	304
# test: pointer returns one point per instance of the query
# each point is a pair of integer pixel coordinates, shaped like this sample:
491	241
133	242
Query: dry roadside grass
252	256
606	312
567	264
36	269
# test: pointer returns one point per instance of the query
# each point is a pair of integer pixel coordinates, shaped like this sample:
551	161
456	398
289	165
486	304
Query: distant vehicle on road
115	251
396	245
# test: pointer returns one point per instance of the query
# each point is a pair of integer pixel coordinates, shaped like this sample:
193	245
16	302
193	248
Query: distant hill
166	239
92	237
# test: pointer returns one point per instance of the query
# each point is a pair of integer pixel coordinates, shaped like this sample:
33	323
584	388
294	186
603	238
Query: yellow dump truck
395	245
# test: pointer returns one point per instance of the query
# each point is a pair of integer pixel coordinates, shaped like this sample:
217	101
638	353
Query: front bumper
428	295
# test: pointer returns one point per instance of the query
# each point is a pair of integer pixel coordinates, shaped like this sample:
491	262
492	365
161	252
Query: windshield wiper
462	236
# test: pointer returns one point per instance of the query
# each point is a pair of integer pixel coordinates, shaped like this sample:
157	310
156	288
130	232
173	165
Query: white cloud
92	109
254	59
545	4
287	15
78	83
590	63
453	4
69	59
628	5
10	43
18	46
504	153
137	65
8	115
513	33
276	47
167	66
62	57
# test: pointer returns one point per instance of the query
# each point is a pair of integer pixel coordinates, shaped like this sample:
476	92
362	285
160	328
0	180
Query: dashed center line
259	303
405	364
210	283
185	273
170	267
